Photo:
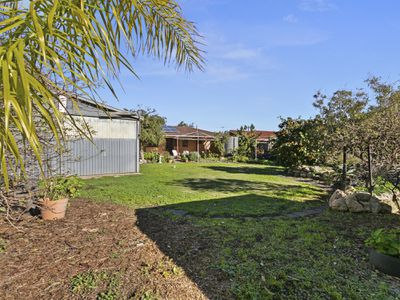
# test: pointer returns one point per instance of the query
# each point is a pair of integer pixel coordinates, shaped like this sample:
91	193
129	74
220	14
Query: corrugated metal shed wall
115	149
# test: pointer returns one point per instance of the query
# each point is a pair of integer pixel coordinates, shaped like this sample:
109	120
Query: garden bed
97	251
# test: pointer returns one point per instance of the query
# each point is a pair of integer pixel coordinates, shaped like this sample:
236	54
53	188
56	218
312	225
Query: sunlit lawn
226	243
239	189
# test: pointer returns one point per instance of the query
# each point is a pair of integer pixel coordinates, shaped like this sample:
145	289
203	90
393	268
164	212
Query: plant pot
53	210
385	263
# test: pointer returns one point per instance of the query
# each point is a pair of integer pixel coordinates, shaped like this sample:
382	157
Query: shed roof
89	108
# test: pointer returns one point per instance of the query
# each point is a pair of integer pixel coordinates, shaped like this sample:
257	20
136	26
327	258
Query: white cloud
316	5
218	74
290	18
242	53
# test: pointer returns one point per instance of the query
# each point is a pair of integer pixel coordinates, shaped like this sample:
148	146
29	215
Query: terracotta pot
387	264
53	210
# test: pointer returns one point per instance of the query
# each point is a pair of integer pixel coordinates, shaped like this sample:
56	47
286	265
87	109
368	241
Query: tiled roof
187	132
265	134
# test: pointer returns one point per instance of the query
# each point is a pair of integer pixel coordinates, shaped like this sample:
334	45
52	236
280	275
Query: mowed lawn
208	189
225	226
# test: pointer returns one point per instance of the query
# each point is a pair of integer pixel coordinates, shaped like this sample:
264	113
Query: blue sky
266	58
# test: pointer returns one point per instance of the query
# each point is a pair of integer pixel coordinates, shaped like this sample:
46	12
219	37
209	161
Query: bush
193	156
167	158
209	156
240	158
190	156
185	157
153	157
56	188
385	241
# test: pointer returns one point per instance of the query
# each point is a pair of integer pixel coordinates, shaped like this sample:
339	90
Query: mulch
42	257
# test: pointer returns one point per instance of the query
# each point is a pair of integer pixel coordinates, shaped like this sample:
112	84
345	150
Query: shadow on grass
227	258
290	192
266	170
249	205
197	249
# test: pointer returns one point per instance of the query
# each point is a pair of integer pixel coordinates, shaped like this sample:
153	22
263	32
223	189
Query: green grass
321	257
312	258
83	283
207	189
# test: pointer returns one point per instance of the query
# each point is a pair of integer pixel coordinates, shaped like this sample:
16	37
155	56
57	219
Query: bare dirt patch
97	251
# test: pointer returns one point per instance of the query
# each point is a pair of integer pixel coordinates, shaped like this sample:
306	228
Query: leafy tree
247	141
299	142
219	142
379	134
69	47
151	131
184	124
341	116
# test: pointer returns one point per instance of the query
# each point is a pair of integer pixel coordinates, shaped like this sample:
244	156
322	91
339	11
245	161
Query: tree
151	129
68	47
247	141
299	142
219	142
184	124
380	136
341	116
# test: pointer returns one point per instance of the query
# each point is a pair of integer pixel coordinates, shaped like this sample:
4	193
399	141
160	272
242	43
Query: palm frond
58	46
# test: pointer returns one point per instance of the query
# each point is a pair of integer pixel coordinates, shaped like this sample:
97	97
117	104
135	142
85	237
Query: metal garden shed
114	148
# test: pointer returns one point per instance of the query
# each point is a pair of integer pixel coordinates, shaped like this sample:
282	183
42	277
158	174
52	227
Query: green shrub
381	186
385	241
240	158
153	157
56	188
209	156
194	156
184	157
167	158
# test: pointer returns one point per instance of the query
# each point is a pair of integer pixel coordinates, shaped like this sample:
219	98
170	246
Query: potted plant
56	192
385	251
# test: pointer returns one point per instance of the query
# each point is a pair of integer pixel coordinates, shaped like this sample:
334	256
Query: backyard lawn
219	223
208	189
196	231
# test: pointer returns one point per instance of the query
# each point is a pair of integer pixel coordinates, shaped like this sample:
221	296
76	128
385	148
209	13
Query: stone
336	195
350	190
363	196
337	201
375	205
386	200
339	204
356	202
354	205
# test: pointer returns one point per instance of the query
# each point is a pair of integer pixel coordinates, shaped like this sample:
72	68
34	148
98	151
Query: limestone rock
363	196
376	206
337	201
355	205
386	201
350	190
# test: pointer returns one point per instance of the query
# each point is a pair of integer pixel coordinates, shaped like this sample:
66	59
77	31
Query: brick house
184	138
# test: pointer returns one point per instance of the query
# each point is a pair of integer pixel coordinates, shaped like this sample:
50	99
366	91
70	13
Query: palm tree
48	47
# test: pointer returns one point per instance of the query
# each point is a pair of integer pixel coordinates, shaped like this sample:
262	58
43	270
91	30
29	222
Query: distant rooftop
263	135
186	132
